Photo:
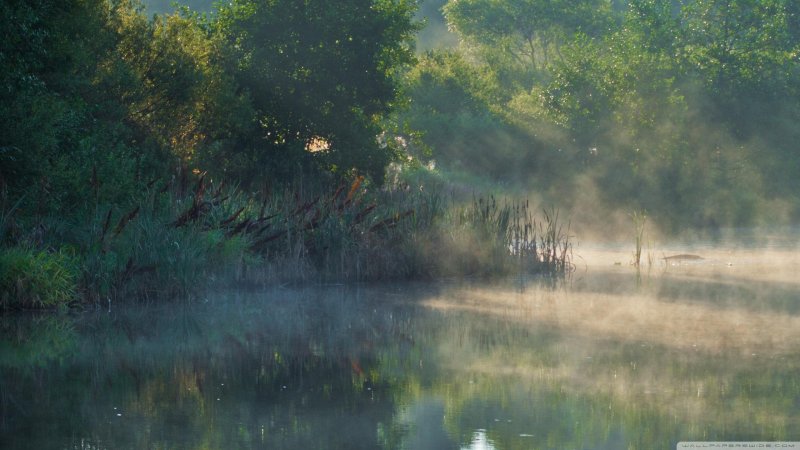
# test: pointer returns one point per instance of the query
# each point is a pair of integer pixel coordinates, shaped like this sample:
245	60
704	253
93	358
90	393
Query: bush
36	279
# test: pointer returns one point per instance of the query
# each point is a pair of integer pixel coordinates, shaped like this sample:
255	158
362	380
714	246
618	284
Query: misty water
613	358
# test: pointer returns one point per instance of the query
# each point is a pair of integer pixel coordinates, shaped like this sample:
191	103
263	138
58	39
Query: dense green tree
62	132
661	103
168	72
744	55
320	72
530	31
623	83
740	48
45	69
451	105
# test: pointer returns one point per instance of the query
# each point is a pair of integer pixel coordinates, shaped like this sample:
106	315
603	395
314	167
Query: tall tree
740	47
529	30
320	72
47	51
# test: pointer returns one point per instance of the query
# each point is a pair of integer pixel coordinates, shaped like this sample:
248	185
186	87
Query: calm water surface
612	359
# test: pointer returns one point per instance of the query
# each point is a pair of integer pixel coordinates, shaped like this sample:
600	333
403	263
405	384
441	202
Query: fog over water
613	357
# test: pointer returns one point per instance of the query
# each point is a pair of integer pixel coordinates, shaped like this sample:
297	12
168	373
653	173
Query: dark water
507	366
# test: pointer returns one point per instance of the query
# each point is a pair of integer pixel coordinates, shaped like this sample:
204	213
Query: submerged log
683	257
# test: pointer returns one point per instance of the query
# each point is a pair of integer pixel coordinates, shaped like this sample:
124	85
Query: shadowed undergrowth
180	238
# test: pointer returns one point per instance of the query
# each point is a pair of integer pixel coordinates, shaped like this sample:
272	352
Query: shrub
36	279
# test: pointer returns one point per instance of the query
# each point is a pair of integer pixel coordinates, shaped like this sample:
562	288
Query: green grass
36	278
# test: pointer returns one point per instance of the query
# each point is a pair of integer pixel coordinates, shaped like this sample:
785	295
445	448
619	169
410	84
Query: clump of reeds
555	252
505	238
540	247
166	242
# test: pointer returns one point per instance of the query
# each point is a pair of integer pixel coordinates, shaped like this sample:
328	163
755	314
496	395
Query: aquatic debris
683	257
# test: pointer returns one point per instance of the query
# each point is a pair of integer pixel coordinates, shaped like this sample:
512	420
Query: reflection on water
610	360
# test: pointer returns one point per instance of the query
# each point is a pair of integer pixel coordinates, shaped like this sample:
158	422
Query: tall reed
178	238
639	218
541	247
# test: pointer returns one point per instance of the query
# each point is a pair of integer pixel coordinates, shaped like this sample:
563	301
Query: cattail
232	217
302	209
106	224
218	192
353	190
238	228
124	221
200	188
336	194
364	213
391	222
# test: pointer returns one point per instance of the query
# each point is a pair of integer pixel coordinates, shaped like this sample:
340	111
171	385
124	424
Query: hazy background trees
683	108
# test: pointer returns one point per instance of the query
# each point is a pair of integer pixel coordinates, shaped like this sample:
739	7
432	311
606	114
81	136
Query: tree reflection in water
400	367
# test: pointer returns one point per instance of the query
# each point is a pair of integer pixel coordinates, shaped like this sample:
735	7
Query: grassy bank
179	238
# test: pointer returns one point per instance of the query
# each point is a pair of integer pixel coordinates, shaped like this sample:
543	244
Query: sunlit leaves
531	31
739	45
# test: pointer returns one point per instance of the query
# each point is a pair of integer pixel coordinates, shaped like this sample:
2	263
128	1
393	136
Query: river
612	358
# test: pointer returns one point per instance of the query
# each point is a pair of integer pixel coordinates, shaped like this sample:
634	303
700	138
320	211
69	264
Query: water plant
517	241
639	218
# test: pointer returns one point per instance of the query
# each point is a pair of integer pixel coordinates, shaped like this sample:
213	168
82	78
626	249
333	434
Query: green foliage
36	279
169	245
454	107
739	46
42	64
67	128
319	70
680	108
530	31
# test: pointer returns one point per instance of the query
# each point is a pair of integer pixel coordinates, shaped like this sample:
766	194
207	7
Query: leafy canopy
318	70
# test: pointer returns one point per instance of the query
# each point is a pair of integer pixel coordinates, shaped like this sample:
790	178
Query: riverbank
179	238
